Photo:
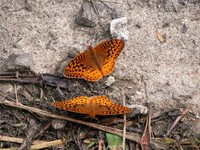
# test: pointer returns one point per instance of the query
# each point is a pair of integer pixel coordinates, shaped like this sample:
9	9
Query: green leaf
168	140
113	140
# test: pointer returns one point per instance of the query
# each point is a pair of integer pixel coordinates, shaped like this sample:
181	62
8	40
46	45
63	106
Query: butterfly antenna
96	119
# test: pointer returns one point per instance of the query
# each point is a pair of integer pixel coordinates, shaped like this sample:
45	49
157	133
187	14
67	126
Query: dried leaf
160	37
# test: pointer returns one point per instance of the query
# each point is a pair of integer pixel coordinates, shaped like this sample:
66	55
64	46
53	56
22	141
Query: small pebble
138	109
6	88
58	124
110	80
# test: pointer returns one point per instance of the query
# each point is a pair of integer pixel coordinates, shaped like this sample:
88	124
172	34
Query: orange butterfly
92	106
95	63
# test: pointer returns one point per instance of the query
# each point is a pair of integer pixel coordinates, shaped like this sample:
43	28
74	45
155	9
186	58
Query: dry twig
178	119
37	144
124	129
146	137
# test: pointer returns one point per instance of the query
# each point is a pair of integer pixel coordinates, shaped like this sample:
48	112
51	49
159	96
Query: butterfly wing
104	106
107	52
79	104
77	66
93	74
82	66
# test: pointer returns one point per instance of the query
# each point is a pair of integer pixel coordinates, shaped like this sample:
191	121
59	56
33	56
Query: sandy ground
169	71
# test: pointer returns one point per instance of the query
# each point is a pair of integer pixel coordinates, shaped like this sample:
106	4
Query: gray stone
6	87
87	16
110	80
138	109
115	94
118	28
58	124
19	62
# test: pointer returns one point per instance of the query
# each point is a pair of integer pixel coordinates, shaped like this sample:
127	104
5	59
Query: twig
47	144
178	119
131	136
42	79
11	139
18	140
37	144
16	97
110	2
95	8
146	137
124	129
41	93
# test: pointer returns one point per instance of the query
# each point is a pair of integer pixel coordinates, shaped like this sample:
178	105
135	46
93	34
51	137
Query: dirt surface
160	63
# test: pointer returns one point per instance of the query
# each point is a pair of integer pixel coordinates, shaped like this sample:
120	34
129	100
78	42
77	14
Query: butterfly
94	63
92	106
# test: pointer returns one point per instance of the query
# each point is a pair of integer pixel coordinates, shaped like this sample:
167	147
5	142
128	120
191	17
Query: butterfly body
96	62
92	106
